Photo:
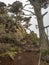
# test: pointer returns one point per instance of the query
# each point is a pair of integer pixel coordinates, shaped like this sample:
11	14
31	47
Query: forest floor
25	58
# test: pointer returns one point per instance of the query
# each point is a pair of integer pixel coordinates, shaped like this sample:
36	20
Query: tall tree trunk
43	38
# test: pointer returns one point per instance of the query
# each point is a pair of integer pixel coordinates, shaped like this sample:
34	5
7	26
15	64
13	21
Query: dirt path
26	58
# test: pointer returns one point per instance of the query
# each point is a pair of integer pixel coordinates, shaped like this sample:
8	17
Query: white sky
33	20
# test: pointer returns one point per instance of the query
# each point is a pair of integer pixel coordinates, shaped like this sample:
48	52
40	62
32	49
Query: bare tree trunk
43	38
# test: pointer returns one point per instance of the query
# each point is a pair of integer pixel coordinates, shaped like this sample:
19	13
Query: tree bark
42	34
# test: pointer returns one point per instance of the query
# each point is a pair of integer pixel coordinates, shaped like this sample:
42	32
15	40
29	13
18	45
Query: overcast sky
33	20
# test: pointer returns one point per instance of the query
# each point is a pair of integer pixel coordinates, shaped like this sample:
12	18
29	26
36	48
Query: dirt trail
26	58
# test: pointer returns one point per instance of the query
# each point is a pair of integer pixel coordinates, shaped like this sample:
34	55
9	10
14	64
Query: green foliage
2	4
2	8
31	39
11	27
16	7
34	37
45	52
11	52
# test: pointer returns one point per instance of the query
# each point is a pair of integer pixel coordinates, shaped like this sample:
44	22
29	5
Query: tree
2	9
15	7
38	5
3	14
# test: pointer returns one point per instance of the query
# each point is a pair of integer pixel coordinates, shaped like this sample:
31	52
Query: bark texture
43	38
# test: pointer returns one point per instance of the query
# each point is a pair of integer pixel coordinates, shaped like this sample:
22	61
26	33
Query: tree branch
29	11
46	26
28	15
44	14
25	5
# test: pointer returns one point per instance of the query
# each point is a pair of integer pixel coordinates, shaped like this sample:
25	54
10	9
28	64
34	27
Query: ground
25	58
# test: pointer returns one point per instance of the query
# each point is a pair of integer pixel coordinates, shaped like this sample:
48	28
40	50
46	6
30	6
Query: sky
33	20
